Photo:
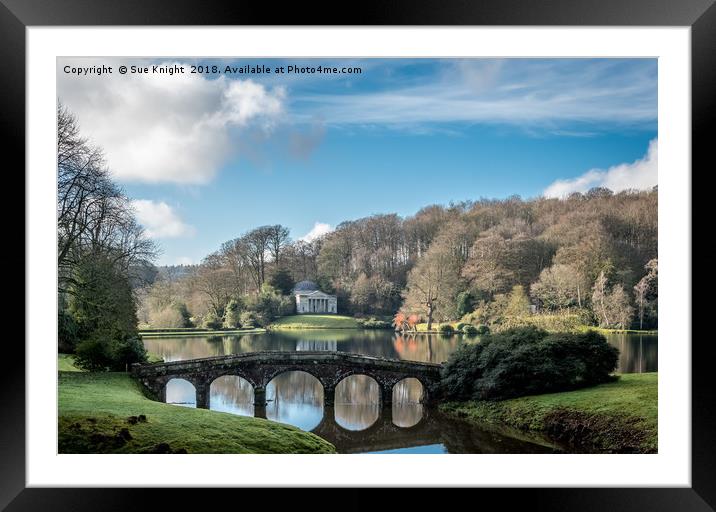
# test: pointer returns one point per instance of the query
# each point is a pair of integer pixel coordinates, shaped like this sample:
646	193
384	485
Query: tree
433	284
282	281
278	238
558	287
611	307
232	314
645	291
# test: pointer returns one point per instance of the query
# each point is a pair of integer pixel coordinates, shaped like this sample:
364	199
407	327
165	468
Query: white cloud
317	231
184	260
160	220
158	128
641	174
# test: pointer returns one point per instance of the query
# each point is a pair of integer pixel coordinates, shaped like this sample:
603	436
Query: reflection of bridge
259	368
382	435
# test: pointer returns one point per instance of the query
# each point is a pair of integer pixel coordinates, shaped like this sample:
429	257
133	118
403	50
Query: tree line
591	257
102	255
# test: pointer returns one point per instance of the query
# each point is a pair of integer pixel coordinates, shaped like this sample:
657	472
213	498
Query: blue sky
208	157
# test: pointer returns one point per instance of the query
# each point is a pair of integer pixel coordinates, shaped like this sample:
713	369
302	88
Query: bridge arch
180	391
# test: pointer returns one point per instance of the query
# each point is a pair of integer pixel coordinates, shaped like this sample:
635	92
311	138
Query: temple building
309	299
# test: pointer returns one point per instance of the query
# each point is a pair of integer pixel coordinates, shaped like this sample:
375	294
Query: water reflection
638	353
295	398
357	402
380	343
407	409
181	392
358	423
233	394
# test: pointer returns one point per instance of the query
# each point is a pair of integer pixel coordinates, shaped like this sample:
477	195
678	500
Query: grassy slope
617	417
66	363
315	322
94	409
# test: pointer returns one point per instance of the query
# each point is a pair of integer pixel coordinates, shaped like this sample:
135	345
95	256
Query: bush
373	323
249	319
527	361
211	321
460	326
446	329
469	330
482	329
100	353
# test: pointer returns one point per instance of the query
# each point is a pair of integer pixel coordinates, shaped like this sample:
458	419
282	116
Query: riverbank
618	417
423	328
108	413
315	322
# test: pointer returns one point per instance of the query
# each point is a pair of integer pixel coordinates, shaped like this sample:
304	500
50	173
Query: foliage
526	361
373	323
232	314
282	281
469	330
211	321
611	307
446	329
249	319
67	331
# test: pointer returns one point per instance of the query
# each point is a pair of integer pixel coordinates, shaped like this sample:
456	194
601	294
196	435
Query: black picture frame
700	15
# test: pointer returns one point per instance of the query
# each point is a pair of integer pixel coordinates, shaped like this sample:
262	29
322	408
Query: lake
357	423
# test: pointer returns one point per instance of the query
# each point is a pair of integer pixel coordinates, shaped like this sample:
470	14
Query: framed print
421	250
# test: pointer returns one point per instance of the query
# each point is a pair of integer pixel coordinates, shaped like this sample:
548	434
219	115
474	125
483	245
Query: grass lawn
315	322
66	363
108	413
620	416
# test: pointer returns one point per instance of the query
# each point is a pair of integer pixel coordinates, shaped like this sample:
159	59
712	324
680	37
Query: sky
207	156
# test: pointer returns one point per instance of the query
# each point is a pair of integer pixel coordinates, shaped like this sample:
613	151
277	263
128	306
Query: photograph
358	255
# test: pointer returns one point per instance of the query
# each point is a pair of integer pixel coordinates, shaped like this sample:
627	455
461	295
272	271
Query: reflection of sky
356	416
181	392
302	415
431	448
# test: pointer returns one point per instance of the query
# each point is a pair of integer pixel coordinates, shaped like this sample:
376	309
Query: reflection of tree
295	387
232	389
357	390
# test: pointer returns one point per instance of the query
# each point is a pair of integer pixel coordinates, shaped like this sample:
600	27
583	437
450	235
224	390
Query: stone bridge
259	368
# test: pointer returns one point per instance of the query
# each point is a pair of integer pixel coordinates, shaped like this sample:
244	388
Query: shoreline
616	417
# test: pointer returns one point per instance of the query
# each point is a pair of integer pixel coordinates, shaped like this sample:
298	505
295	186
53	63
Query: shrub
100	353
446	329
460	326
527	361
249	319
373	323
482	329
211	321
469	330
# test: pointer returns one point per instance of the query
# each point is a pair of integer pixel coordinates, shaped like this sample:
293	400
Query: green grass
98	413
618	417
315	322
66	363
